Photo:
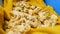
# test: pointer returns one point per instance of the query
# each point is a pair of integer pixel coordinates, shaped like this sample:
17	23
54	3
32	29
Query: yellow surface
59	19
49	30
1	16
8	8
39	33
2	31
50	9
1	20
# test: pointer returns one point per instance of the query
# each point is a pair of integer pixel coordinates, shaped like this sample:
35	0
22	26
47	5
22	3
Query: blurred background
1	2
55	4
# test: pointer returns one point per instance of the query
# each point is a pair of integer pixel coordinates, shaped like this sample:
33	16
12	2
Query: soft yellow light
39	33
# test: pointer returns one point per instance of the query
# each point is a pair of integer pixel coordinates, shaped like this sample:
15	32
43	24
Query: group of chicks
25	16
